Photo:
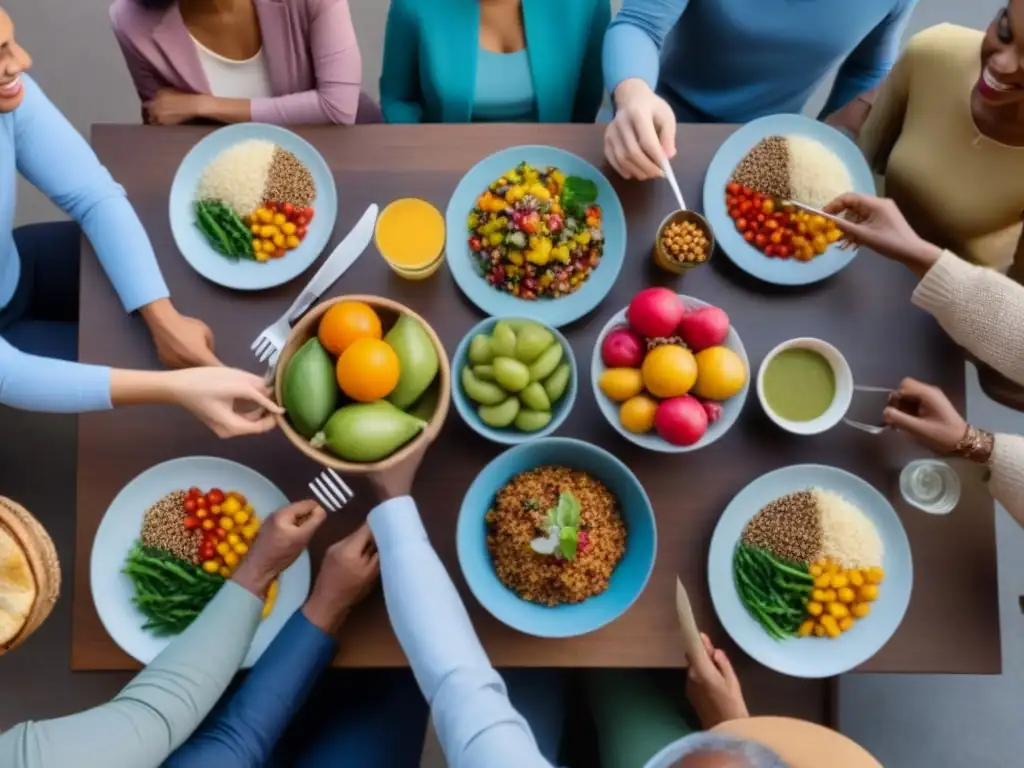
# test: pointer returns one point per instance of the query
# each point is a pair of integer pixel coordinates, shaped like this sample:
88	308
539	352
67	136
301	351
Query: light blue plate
509	435
627	581
746	256
112	591
812	657
245	274
731	408
462	261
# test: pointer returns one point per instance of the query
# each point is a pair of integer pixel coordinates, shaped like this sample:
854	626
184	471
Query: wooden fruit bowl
389	311
42	559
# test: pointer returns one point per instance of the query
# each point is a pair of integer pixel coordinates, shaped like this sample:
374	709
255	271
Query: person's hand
172	107
349	570
212	395
181	342
851	117
281	539
398	480
879	224
713	688
925	413
642	132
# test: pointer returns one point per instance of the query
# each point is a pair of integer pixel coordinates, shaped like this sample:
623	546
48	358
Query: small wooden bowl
664	260
43	561
388	310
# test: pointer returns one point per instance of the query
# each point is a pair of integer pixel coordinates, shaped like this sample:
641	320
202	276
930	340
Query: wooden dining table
952	625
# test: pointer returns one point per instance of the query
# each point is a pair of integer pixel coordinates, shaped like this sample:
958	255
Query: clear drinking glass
930	485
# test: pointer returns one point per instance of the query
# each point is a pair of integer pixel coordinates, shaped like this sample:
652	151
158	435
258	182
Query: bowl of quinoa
556	537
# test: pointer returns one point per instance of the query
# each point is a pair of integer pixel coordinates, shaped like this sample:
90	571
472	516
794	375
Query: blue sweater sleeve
33	383
400	98
55	158
244	733
632	45
872	59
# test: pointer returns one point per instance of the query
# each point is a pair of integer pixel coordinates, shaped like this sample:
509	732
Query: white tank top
231	79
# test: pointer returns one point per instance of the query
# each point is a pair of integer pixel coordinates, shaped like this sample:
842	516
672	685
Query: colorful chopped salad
537	233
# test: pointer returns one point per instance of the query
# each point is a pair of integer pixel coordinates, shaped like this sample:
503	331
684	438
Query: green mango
480	350
367	432
556	384
531	341
500	415
309	389
545	365
503	340
528	420
535	397
417	361
424	407
484	392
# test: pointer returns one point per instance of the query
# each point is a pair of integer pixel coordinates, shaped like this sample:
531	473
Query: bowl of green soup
805	386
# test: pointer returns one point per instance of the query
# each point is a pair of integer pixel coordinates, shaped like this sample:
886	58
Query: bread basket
42	559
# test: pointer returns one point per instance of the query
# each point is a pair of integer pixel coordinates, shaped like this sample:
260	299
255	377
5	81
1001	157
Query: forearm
1007	481
981	310
141	387
159	708
632	45
43	384
248	728
338	106
223	110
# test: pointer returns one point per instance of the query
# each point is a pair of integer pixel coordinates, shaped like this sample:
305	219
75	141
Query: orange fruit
669	371
721	374
637	414
367	370
347	322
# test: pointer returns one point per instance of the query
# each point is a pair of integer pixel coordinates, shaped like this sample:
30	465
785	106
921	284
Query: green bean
214	233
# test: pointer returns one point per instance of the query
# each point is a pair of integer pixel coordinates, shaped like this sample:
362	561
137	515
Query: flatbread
18	587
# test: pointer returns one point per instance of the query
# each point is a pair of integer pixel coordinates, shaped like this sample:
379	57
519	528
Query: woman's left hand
212	394
172	107
181	342
925	413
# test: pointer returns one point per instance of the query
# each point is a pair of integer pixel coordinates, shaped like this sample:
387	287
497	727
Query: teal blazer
430	52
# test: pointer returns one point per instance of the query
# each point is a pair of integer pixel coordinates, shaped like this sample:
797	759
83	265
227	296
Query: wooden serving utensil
692	643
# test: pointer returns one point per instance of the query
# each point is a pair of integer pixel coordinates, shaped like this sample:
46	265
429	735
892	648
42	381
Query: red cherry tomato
194	492
215	496
761	218
301	221
201	503
760	240
280	253
746	206
748	236
783	251
732	188
271	207
208	524
742	224
190	505
308	213
220	533
191	523
202	514
288	209
769	250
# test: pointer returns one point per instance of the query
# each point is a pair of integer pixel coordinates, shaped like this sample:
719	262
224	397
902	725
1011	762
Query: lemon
721	374
620	384
669	371
637	414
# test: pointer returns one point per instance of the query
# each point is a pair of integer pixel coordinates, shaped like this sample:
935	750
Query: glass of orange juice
410	237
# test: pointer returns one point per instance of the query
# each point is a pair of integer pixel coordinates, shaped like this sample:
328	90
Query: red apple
655	312
622	348
681	420
704	327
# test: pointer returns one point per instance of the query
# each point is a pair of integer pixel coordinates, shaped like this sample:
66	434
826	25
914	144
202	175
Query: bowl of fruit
363	380
515	379
670	372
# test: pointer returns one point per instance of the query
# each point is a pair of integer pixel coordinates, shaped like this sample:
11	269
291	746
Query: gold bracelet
976	445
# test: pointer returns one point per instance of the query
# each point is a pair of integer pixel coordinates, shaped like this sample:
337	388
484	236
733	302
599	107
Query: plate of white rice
821	164
241	166
858	526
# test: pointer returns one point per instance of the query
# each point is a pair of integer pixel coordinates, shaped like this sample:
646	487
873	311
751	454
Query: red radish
704	327
622	348
681	420
655	312
712	409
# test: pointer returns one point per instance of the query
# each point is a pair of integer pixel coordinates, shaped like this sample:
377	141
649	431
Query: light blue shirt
736	60
504	88
37	141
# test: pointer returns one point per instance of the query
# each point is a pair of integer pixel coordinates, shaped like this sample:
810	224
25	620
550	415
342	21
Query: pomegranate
712	409
704	327
681	420
622	348
655	312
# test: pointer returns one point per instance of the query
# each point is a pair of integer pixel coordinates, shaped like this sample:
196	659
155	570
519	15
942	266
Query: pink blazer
310	47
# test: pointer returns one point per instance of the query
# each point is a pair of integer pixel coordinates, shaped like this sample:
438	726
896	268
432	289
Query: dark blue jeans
42	318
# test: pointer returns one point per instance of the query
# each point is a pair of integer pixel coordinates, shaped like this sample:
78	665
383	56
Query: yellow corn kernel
838	610
516	257
831	625
226	523
806	628
846	623
819	596
223	548
830	595
833	234
816	570
832	567
268	231
819	631
839	580
292	242
289	228
233	539
231	559
261	256
256	229
225	572
280	219
846	594
874	575
824	581
241	517
264	215
860	610
257	246
815	609
279	240
241	549
254	522
869	592
210	566
856	578
268	247
248	532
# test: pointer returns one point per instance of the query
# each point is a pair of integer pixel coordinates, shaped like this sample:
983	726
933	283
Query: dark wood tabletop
952	625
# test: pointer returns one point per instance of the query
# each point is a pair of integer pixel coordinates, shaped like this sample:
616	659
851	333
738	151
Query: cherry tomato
271	207
769	250
748	236
768	206
288	209
279	253
301	221
190	505
771	224
732	188
194	492
208	524
216	495
308	213
742	224
300	232
190	523
220	533
746	206
760	240
746	191
201	503
761	218
783	252
202	514
776	237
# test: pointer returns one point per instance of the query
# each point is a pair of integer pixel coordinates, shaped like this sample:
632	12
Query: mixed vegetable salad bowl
364	380
535	231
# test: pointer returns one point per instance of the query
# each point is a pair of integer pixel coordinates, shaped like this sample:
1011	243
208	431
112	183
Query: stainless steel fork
331	490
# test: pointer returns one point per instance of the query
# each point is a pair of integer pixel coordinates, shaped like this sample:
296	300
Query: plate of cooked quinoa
810	570
556	537
252	206
753	176
538	231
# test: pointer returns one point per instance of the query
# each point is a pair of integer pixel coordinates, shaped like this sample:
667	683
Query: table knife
692	643
341	258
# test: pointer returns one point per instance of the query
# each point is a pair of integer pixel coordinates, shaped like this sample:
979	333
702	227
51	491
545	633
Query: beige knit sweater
983	311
